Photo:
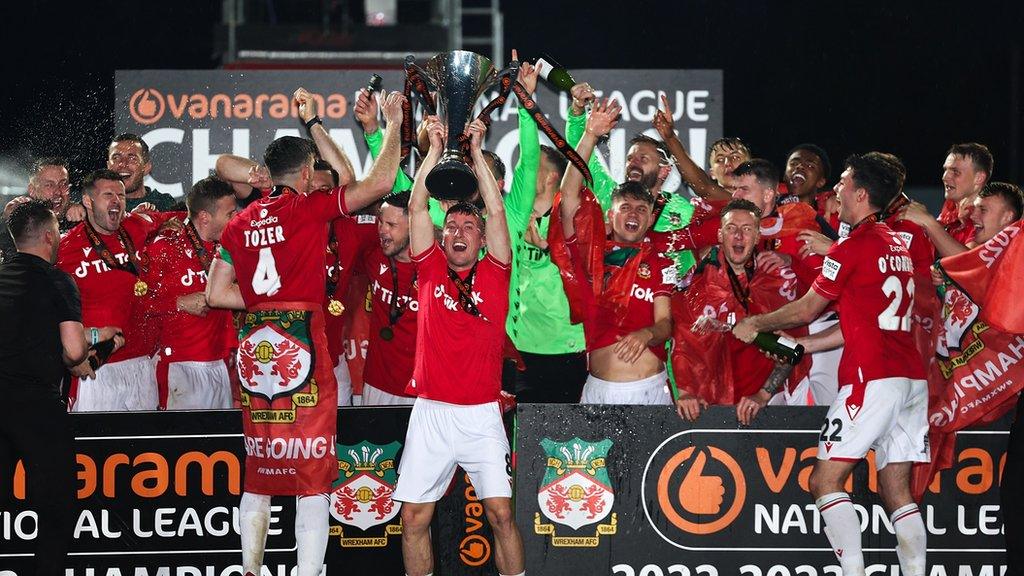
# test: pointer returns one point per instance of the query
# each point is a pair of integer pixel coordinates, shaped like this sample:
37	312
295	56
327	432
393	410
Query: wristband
94	335
312	121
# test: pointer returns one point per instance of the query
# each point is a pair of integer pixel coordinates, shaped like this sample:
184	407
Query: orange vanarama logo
148	105
696	498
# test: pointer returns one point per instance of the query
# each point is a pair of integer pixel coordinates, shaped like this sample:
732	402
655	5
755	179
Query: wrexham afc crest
576	490
362	493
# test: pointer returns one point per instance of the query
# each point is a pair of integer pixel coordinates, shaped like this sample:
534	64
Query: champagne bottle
103	350
555	73
780	347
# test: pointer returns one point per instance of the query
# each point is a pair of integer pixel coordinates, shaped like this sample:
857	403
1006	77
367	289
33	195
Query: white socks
911	538
843	530
312	514
253	521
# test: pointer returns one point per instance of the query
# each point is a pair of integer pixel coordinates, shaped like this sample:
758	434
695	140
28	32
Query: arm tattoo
777	378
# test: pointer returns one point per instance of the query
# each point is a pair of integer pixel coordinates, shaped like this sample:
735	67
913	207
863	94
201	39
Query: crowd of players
602	292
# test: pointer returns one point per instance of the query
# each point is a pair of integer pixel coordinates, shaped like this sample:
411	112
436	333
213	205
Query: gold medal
141	288
335	307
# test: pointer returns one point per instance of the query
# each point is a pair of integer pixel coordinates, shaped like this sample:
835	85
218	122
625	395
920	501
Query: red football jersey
353	238
656	276
174	270
871	274
108	296
779	232
390	363
459	355
269	243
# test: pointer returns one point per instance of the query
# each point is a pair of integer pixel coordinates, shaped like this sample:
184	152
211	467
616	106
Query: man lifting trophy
456	80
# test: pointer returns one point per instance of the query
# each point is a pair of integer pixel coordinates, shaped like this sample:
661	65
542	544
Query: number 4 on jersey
266	280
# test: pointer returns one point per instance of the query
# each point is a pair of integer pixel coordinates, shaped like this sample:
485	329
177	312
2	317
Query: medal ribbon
205	258
132	266
738	290
465	288
395	310
335	273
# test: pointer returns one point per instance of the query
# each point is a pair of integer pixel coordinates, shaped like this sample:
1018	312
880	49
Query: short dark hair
633	189
398	200
762	170
729	143
741	204
876	175
978	153
286	155
826	164
40	163
204	195
325	166
130	137
895	162
88	183
497	166
467	208
1010	194
660	146
27	219
555	158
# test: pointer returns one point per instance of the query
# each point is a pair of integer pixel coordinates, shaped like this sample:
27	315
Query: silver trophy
460	78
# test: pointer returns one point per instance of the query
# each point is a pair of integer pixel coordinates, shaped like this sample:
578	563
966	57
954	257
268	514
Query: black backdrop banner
618	490
635	491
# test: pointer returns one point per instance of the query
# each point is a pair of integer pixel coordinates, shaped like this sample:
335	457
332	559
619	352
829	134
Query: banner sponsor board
634	490
158	494
189	117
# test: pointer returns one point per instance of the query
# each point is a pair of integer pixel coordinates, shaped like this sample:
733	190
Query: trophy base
451	179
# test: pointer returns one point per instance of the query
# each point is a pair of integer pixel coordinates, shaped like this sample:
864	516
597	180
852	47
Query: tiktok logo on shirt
643	294
99	266
191	276
453	303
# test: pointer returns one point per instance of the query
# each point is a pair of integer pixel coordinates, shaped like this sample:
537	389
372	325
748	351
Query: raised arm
365	112
694	176
242	173
523	191
945	245
496	229
378	180
325	145
603	118
421	228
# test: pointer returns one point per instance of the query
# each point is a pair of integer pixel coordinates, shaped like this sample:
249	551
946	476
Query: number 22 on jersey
897	315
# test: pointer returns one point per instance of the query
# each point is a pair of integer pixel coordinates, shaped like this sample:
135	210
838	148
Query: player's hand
172	225
663	120
528	74
689	406
749	406
259	177
744	330
365	111
477	131
144	207
603	117
14	203
437	132
582	94
83	371
75	213
630	347
534	237
937	278
393	108
306	104
831	206
813	243
770	261
194	304
916	213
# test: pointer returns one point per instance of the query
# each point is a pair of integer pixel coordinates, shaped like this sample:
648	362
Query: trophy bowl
460	77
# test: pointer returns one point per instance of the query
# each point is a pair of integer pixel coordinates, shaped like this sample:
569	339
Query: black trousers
1011	495
37	431
549	378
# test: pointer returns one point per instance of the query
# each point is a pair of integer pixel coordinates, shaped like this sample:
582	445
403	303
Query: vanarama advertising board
635	491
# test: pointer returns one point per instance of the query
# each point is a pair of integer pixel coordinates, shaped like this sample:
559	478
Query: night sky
906	77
